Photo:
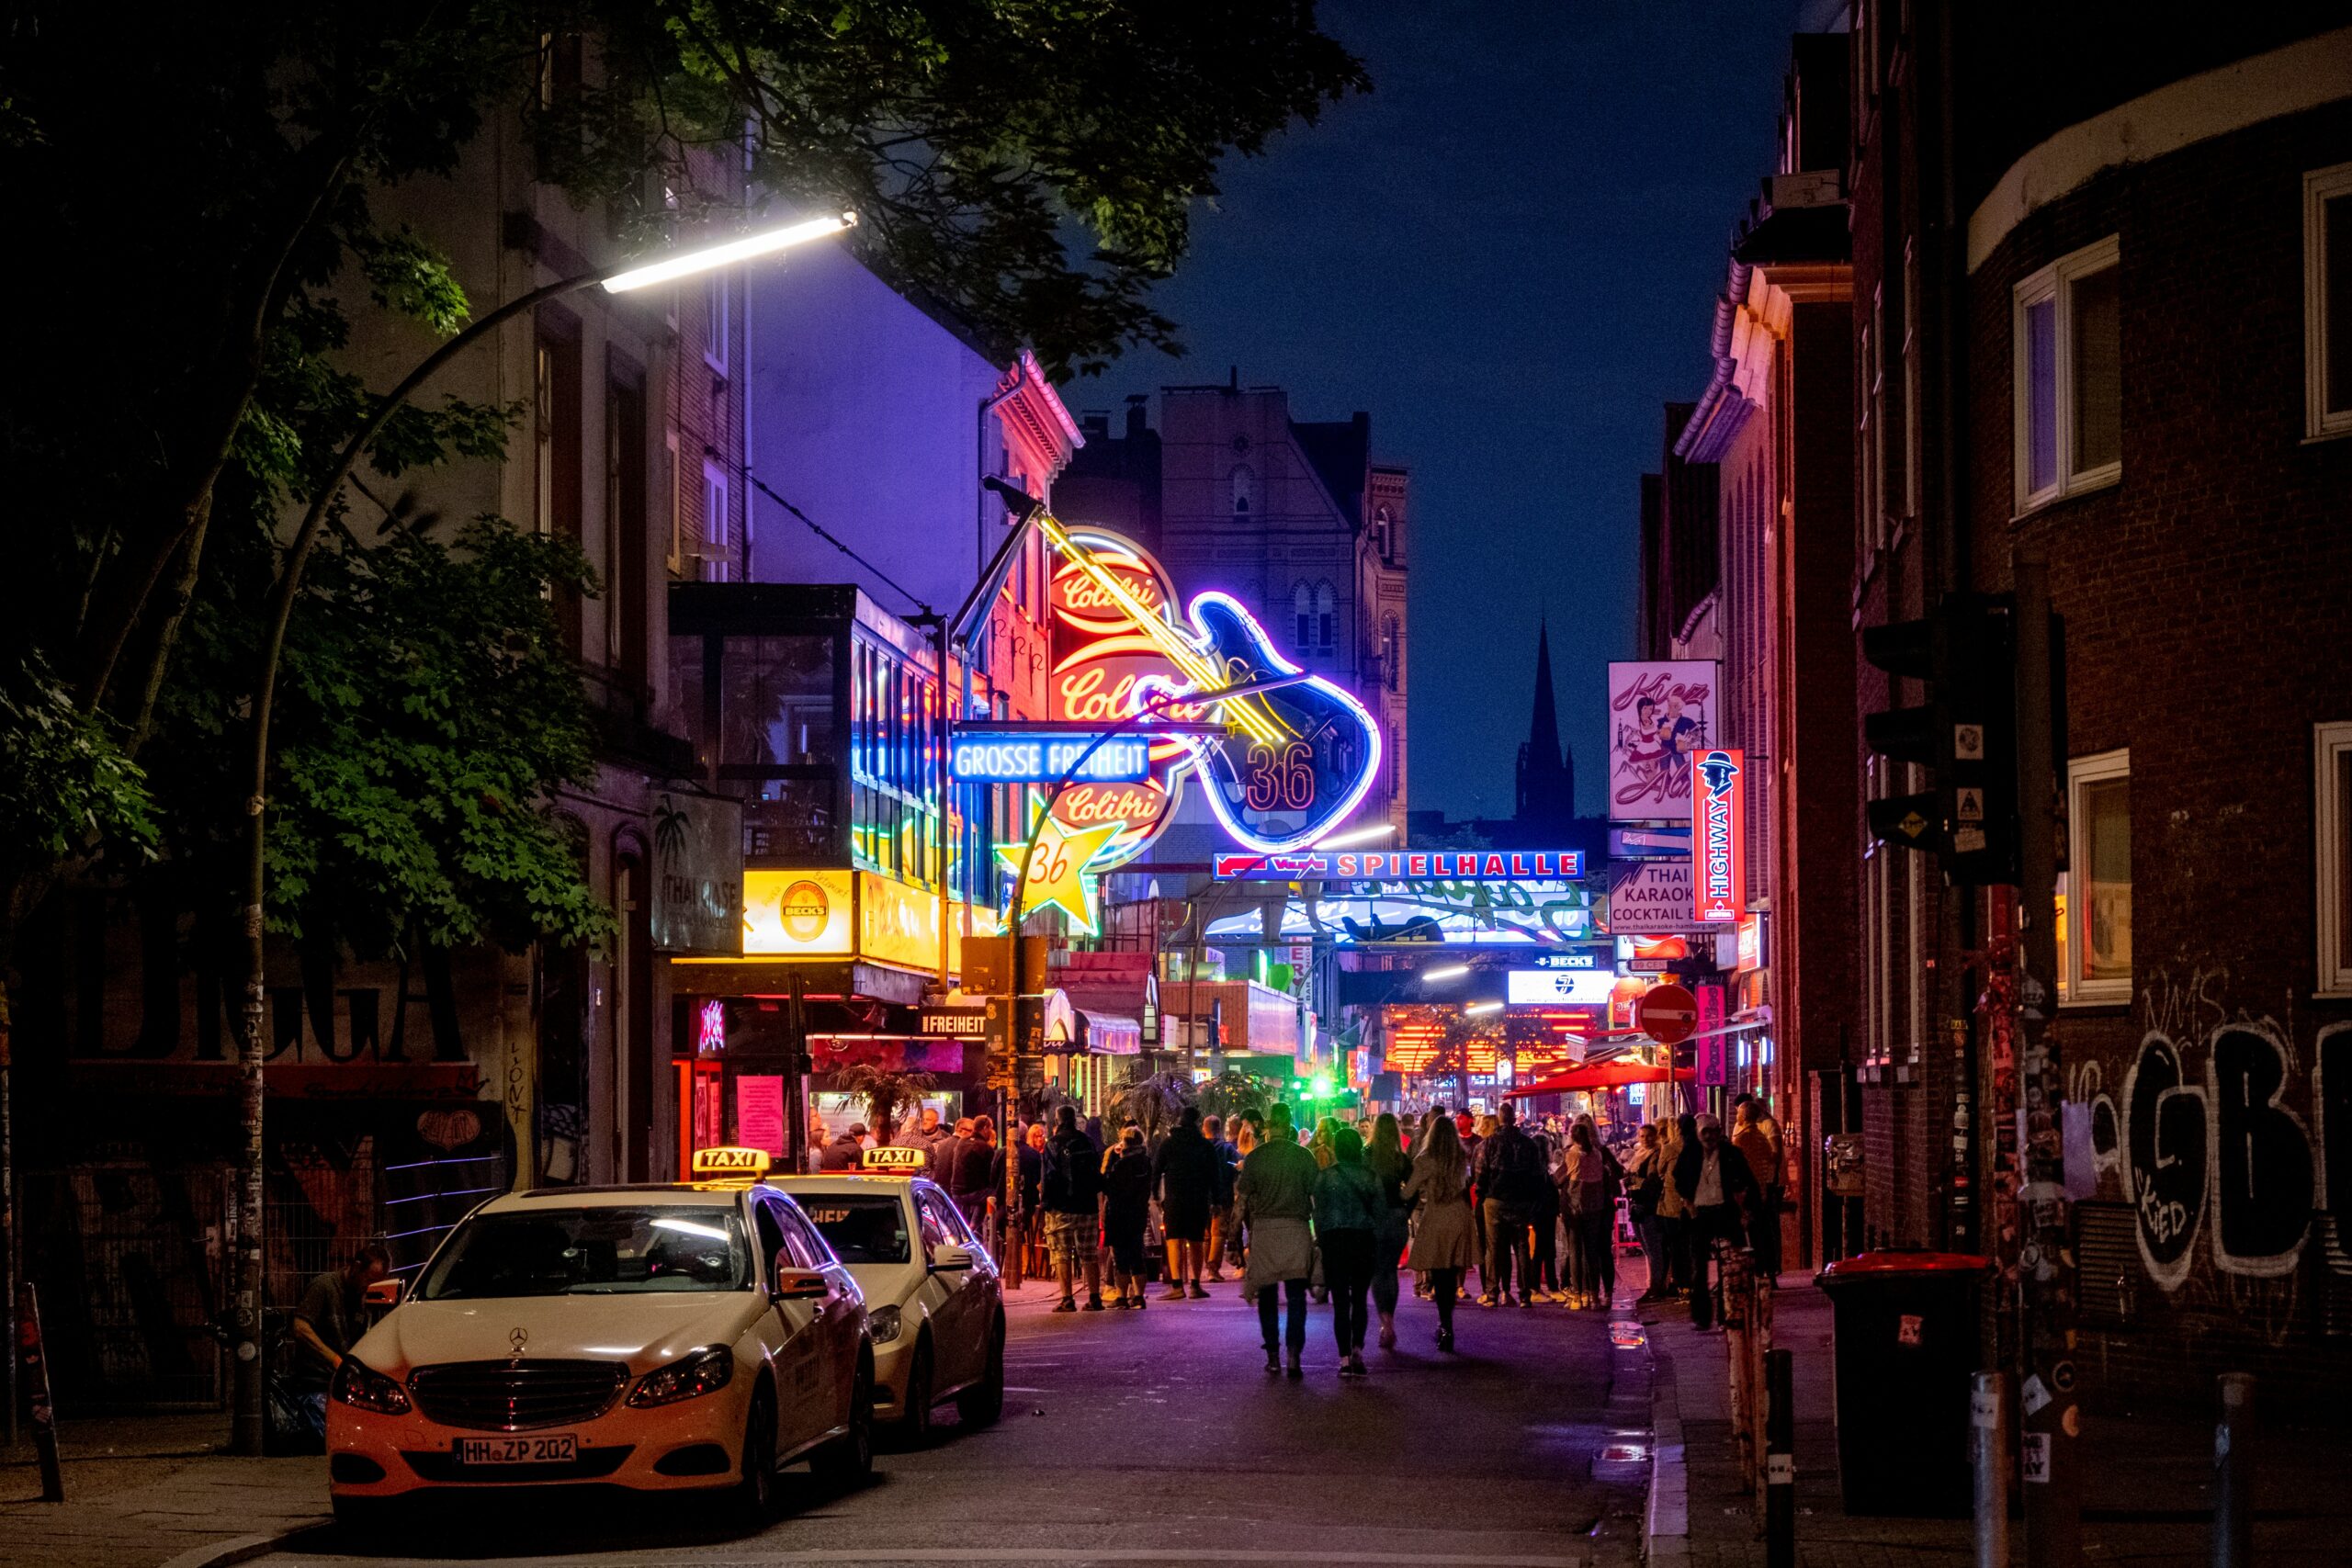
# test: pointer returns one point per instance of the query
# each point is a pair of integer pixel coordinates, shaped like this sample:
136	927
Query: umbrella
1597	1075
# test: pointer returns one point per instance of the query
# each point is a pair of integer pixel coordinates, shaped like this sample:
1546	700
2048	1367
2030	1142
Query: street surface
1157	1438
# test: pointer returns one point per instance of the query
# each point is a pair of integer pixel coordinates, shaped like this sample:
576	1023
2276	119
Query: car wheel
981	1404
849	1459
914	1425
755	1493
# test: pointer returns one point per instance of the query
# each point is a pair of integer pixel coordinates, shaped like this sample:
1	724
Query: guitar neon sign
1292	763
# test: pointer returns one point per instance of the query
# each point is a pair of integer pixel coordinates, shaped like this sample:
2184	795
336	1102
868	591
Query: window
1382	533
1390	655
1327	623
1245	488
2065	329
715	552
1303	610
714	322
2327	302
2332	747
2095	930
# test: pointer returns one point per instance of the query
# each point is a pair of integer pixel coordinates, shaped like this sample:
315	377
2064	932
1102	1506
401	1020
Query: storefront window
894	797
775	700
2099	878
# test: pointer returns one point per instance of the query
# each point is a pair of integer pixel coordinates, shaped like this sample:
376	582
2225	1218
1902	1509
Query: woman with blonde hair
1443	1237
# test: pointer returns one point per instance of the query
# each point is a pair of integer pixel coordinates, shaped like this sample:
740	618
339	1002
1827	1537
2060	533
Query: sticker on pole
2037	1395
1779	1470
2036	1459
1985	1409
1907	1329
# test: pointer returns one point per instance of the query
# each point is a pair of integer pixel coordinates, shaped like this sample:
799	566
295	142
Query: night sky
1508	254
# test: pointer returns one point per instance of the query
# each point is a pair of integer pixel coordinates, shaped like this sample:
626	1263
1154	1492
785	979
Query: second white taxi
935	1300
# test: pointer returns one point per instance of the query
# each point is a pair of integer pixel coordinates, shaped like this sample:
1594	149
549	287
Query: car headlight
883	1324
364	1388
691	1376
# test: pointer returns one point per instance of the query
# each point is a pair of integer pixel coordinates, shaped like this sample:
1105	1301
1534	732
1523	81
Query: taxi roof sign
731	1162
895	1158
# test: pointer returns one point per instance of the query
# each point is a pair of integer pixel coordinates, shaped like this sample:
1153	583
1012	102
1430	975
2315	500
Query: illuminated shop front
821	712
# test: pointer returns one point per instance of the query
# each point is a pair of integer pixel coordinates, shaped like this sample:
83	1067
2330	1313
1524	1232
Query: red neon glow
1719	835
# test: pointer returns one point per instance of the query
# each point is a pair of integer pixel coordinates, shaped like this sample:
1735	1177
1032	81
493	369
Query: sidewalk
147	1491
2147	1480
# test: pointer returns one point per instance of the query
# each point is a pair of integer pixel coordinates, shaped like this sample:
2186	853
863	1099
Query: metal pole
1779	1463
2046	1273
2233	1473
7	1226
1989	1450
796	1104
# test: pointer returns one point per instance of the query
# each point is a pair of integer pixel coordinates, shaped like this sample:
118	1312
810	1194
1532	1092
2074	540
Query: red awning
1596	1075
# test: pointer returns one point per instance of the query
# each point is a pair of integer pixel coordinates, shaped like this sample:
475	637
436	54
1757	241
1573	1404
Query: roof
638	1195
841	1181
1338	452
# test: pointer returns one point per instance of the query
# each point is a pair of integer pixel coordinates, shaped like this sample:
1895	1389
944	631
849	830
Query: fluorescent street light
727	254
1475	1007
1356	836
1444	972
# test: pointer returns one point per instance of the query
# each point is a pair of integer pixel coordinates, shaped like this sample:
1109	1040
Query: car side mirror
800	1284
385	1293
950	1258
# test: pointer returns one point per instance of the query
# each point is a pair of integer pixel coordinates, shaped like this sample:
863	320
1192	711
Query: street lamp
246	1426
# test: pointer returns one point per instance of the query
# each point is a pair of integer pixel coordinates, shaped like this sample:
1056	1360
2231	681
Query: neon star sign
1063	873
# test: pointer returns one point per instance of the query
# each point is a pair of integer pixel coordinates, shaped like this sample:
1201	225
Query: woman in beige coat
1443	1237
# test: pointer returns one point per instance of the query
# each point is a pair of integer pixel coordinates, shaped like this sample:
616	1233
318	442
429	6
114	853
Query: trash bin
1906	1343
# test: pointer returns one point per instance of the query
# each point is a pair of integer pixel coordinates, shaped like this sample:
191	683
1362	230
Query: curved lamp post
247	1425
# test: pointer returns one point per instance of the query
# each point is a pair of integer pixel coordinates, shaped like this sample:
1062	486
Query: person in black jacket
844	1151
1072	1188
1186	1176
1509	1170
1715	1179
1228	1169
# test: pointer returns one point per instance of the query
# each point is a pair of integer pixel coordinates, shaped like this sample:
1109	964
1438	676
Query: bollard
1989	1450
2233	1473
1779	1463
1738	1363
34	1361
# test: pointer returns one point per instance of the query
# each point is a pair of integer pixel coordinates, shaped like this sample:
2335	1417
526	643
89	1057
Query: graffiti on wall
2208	1140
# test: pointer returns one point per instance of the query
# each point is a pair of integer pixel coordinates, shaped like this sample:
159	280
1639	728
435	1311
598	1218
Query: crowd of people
1340	1212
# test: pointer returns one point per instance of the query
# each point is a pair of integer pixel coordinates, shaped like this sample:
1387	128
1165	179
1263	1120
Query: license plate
544	1447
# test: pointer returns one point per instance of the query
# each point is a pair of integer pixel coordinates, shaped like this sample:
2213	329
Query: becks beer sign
1719	836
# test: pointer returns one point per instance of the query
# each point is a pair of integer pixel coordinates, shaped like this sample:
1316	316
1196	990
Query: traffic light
1965	731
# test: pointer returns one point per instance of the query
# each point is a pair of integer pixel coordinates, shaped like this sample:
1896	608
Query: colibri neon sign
1719	828
1404	865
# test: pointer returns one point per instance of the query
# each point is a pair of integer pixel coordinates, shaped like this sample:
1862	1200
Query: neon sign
992	755
1719	827
1404	865
1099	659
1063	868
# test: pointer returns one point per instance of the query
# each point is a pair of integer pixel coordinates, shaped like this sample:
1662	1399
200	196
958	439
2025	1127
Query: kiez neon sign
1719	833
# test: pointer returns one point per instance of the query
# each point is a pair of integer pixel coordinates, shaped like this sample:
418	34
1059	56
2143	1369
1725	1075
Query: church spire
1547	793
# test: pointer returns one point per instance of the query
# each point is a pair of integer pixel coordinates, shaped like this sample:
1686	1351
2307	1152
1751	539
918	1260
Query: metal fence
133	1259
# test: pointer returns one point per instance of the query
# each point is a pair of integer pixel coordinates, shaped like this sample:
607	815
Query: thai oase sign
1719	835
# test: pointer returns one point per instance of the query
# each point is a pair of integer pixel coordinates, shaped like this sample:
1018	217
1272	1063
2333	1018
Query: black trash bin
1906	1344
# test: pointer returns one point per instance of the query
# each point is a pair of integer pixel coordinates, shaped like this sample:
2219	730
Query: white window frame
2076	991
717	561
2055	283
2329	742
714	324
2320	188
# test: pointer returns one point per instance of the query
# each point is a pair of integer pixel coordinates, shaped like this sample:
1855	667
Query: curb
245	1548
1665	1525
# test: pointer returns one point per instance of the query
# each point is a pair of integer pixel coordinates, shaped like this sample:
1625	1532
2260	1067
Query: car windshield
591	1252
861	1227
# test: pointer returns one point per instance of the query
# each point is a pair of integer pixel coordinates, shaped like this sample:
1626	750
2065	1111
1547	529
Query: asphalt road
1157	1438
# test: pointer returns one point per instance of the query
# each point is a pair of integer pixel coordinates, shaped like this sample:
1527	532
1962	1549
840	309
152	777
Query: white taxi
935	1300
656	1338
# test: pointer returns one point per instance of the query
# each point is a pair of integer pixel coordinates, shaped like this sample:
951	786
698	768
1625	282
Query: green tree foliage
191	194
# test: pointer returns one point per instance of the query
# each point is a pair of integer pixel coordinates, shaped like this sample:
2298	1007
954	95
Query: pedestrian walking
1025	1231
1645	1188
1071	1185
1589	1178
1673	1210
1127	1208
1715	1181
1185	1174
1543	1227
1249	1132
1390	1167
1509	1167
1347	1207
1444	1233
1275	1200
1226	1167
1756	1136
